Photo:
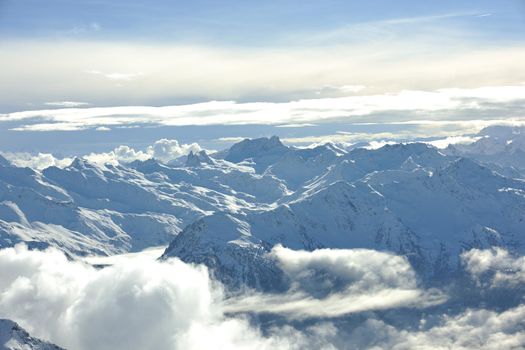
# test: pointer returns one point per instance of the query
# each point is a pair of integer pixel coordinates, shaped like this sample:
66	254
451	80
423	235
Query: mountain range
228	209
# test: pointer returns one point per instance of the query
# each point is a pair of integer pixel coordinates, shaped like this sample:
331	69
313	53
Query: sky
79	76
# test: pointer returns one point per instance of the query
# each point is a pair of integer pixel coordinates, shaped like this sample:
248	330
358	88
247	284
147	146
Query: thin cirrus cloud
408	106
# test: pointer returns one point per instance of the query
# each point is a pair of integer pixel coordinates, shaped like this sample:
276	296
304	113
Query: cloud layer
122	73
142	303
458	104
332	283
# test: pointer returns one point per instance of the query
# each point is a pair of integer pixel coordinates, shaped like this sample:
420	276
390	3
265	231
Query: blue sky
238	22
334	64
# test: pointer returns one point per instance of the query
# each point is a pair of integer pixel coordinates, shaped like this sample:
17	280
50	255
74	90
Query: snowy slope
14	337
85	208
228	210
501	145
91	209
409	199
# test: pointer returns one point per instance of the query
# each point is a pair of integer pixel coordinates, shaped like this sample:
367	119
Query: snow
229	209
13	337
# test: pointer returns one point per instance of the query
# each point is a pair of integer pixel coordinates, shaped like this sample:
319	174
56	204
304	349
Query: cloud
348	138
471	329
39	161
155	74
137	303
141	303
66	104
453	140
122	153
339	90
495	267
163	150
115	75
85	28
378	144
232	139
166	150
329	283
303	125
350	108
352	88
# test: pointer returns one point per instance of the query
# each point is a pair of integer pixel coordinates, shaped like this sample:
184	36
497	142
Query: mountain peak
249	148
12	336
4	161
196	159
79	163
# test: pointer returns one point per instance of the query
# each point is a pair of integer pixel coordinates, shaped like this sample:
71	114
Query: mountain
87	208
14	337
228	210
411	199
259	153
497	144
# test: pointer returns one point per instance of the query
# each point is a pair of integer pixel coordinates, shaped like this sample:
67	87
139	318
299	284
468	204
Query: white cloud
453	140
66	104
303	125
232	139
166	150
497	267
137	303
335	91
115	75
332	283
295	112
123	153
348	138
155	73
142	303
351	88
472	329
39	161
163	150
378	144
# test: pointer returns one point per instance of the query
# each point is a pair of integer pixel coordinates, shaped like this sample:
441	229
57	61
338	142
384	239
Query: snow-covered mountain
227	210
86	208
14	337
500	145
410	199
